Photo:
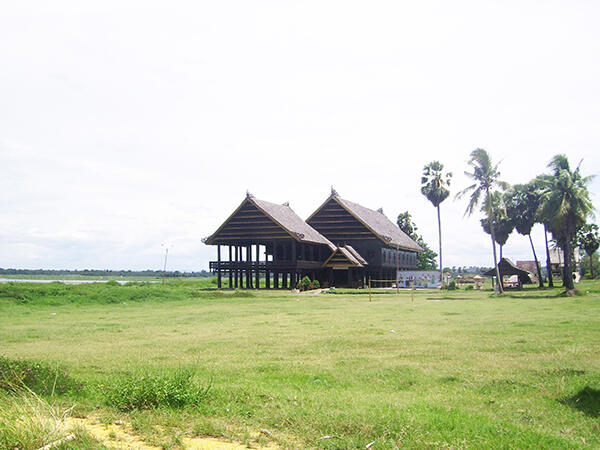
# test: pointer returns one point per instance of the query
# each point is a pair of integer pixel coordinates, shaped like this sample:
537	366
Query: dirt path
313	292
122	436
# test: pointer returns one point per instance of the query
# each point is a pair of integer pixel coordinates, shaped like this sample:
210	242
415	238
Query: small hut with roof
507	269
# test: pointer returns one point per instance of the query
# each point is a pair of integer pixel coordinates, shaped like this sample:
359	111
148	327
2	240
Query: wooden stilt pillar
241	270
235	272
230	272
257	270
276	280
219	266
248	268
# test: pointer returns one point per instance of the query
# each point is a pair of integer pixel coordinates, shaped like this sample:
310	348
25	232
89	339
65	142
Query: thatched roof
285	217
506	267
288	219
377	222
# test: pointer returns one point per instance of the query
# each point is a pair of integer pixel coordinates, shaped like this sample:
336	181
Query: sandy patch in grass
122	436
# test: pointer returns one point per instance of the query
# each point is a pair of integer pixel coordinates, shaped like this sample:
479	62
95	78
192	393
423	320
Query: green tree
406	224
434	186
503	223
565	207
588	239
522	202
425	259
486	178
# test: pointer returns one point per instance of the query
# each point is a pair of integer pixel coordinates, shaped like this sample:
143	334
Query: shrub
147	391
452	285
37	376
469	287
306	284
11	291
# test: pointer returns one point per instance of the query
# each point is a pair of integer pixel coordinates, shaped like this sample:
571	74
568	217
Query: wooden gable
335	223
248	223
343	258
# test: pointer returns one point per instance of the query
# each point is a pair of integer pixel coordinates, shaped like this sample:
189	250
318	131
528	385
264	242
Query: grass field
461	369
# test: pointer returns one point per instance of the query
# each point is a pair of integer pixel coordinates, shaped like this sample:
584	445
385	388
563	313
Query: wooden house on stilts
340	244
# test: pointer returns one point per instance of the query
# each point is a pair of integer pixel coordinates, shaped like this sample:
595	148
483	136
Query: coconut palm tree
522	202
434	186
538	184
486	178
566	205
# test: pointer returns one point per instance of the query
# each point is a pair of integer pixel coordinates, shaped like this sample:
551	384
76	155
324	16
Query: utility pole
165	265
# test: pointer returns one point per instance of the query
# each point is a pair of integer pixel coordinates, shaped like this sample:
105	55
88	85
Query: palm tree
522	202
485	176
566	205
538	184
589	240
434	186
503	223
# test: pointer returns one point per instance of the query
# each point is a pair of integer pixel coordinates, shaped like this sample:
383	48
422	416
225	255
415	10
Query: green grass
29	422
454	369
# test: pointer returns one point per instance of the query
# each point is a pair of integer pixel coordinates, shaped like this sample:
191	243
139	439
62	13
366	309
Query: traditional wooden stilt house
341	244
270	241
381	243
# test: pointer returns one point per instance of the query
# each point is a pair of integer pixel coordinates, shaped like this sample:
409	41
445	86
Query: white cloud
124	125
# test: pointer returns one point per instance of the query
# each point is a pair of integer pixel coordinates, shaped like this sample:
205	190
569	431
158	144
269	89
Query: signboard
422	279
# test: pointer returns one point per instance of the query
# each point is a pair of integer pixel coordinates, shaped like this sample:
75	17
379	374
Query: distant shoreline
32	280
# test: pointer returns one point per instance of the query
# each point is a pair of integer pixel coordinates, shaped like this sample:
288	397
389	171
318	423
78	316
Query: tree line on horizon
105	273
558	200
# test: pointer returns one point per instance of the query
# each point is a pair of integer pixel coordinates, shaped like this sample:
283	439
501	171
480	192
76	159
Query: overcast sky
125	125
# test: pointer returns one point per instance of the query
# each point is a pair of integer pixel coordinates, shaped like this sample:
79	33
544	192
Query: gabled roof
376	222
343	257
357	255
506	267
283	216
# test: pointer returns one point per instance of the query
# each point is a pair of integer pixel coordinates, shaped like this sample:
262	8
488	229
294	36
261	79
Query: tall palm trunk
493	233
440	241
537	264
548	262
500	245
568	276
591	266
